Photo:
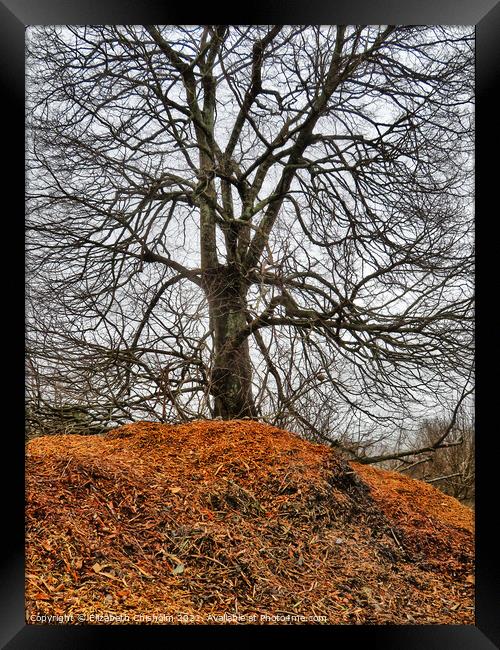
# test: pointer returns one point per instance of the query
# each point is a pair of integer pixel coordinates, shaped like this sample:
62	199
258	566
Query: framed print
253	302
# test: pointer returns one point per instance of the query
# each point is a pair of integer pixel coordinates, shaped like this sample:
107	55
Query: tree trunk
231	376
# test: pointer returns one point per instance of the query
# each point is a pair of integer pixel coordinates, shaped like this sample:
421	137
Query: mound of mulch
235	522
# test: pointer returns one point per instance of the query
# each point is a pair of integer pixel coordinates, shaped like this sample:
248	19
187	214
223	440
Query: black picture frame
15	15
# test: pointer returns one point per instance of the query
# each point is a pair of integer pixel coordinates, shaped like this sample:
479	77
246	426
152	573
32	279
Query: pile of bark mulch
235	522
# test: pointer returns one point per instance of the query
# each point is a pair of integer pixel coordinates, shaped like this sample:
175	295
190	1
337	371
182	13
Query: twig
405	469
442	478
396	539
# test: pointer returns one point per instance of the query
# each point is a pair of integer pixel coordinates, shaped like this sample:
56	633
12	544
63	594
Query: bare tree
251	221
450	467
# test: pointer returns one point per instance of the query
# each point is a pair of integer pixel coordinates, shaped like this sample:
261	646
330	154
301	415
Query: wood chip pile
216	522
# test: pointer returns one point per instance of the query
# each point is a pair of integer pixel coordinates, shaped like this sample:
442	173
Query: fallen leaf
178	569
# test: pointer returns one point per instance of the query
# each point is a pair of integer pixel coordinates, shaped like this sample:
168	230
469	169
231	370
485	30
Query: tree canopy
270	221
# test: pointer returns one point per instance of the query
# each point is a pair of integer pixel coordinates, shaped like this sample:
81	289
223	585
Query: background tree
251	221
451	467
